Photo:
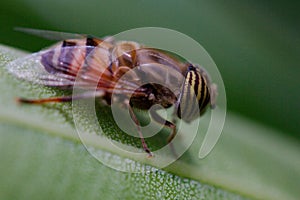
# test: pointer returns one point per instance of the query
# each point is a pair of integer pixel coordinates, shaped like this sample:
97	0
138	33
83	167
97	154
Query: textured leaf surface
42	157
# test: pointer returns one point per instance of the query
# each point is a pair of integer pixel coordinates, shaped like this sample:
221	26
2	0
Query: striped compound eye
195	94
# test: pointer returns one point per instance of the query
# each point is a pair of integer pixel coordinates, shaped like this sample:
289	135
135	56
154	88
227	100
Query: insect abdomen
71	56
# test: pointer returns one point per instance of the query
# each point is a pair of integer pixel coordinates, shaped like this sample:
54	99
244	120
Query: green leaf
43	158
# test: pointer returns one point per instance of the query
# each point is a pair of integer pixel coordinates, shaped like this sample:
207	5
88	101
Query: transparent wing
51	35
31	69
149	55
62	66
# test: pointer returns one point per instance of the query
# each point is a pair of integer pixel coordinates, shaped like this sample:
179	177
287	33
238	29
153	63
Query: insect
93	61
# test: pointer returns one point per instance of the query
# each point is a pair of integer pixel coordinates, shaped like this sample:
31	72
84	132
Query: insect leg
164	122
136	121
62	99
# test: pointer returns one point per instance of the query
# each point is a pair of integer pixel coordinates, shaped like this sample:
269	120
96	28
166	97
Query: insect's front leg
160	120
171	125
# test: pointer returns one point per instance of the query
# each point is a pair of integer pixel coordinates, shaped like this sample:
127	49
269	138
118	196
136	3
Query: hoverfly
102	63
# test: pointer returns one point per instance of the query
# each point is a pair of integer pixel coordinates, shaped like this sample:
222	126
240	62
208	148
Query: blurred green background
255	44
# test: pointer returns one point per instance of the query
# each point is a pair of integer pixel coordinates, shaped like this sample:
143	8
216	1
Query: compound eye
194	95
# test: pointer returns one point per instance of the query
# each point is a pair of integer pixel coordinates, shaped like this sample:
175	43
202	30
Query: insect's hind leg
61	99
46	100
